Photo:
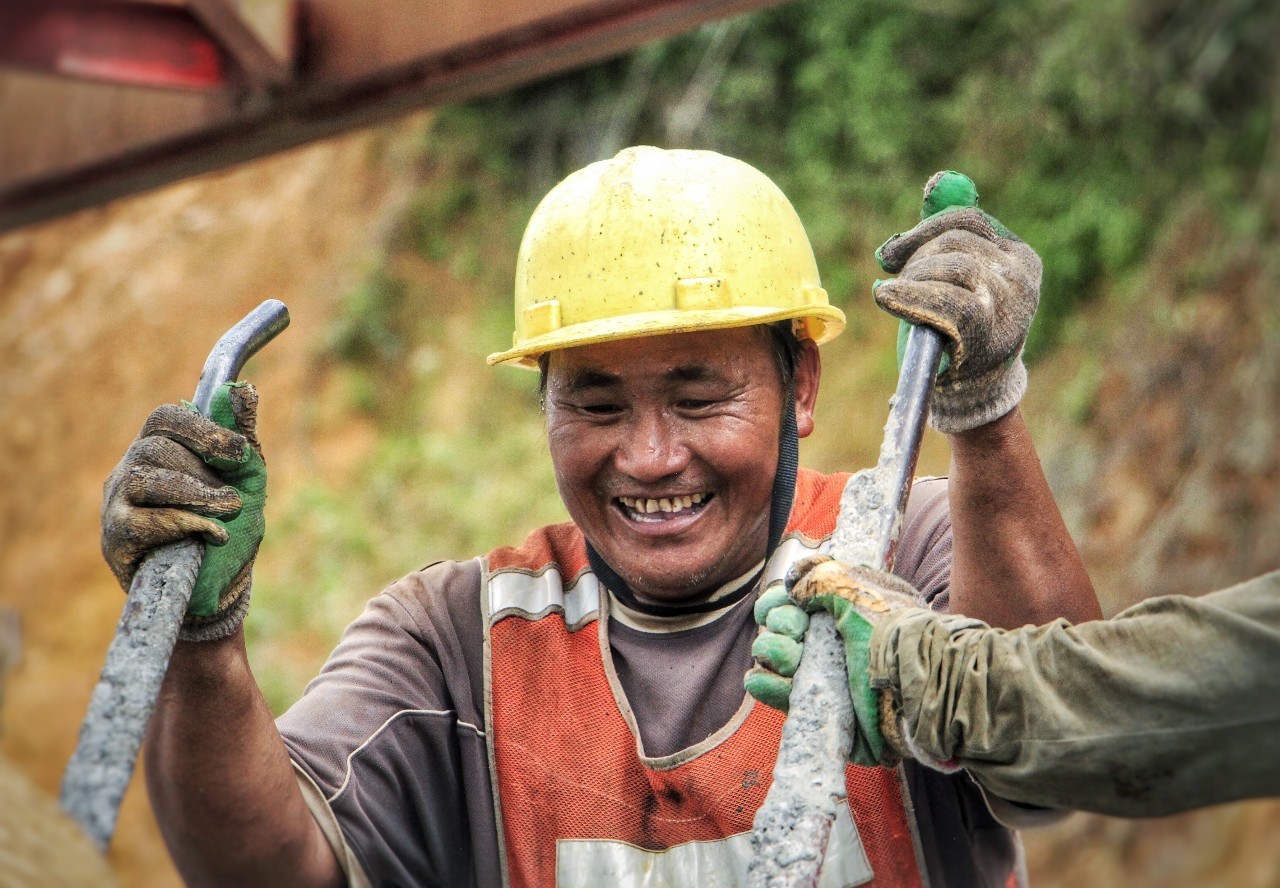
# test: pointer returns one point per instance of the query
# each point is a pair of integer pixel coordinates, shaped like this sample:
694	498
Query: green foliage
367	330
1083	123
1077	399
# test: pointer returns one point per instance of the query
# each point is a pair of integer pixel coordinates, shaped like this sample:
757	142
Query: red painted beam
140	45
304	110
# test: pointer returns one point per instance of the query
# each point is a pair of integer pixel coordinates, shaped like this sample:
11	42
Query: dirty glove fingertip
789	621
773	597
769	688
887	259
799	570
777	653
946	189
234	406
216	533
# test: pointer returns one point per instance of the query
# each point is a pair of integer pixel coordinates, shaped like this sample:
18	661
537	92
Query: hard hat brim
824	323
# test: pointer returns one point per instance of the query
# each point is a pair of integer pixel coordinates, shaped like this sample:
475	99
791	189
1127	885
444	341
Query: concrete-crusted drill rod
111	734
791	828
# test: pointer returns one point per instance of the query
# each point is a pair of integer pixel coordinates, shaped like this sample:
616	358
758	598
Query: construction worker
1173	704
570	711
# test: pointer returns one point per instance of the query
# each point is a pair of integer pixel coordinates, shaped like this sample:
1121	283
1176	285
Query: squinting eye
691	404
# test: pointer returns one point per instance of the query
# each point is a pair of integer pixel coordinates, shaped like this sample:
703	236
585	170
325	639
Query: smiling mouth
664	509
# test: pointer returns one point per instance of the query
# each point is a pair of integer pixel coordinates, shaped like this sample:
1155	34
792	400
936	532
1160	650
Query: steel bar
122	702
793	825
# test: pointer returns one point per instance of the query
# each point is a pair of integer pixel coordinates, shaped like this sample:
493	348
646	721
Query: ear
808	375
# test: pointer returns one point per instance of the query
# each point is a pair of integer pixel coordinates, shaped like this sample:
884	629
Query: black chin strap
784	491
622	591
784	480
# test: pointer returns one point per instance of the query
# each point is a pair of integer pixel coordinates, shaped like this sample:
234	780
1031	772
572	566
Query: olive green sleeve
1171	705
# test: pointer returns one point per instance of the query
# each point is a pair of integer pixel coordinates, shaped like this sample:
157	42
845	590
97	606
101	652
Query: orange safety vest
576	802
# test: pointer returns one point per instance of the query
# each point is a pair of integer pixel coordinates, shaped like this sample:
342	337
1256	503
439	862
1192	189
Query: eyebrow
591	378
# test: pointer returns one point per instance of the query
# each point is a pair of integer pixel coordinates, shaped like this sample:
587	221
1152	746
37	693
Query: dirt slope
102	316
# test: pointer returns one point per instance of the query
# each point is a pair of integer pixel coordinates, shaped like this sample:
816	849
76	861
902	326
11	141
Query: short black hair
786	350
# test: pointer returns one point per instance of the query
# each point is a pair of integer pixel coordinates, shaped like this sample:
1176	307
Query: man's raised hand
963	273
186	475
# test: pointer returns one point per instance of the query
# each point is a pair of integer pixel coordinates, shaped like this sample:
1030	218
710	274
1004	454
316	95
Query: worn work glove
964	274
857	598
187	475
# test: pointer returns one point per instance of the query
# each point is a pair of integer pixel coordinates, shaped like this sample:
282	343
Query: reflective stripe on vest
590	863
577	802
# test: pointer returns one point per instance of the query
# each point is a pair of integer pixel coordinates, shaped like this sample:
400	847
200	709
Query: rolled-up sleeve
1171	705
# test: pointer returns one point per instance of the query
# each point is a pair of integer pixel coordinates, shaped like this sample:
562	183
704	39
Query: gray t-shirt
391	734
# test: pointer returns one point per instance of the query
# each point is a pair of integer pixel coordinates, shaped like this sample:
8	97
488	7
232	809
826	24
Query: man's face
665	449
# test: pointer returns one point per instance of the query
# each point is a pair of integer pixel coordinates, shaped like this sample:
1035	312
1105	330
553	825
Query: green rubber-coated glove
777	647
189	475
857	598
963	273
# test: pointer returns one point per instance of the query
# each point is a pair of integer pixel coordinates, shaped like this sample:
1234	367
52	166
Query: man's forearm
1173	704
1013	561
221	782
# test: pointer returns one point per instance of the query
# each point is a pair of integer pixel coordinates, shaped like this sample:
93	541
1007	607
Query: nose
651	447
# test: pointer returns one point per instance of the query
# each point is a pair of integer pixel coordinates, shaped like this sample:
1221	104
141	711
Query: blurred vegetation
1090	127
1083	123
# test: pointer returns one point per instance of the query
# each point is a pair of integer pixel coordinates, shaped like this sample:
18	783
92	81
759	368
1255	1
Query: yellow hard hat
656	241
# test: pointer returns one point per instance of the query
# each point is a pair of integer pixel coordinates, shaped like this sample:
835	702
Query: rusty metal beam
326	98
